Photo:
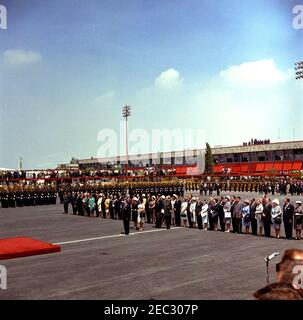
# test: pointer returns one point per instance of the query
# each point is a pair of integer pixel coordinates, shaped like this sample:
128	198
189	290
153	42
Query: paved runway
176	264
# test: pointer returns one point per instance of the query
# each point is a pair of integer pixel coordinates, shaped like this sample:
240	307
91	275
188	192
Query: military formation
20	196
17	195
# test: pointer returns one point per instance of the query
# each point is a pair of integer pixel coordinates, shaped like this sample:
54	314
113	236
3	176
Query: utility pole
126	112
20	163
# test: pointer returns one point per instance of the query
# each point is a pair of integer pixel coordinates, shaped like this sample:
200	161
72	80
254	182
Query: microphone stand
267	270
267	259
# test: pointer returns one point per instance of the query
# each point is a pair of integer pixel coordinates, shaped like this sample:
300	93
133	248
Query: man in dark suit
253	220
159	211
288	218
221	204
177	208
126	215
266	216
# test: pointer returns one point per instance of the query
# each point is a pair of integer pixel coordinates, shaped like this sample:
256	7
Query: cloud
20	58
260	73
169	79
105	99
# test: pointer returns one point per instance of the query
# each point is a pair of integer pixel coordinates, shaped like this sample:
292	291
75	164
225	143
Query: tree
209	163
74	161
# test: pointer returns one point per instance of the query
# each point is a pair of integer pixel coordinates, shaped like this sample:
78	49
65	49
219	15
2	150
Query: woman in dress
276	217
298	213
141	215
107	204
227	213
184	206
151	208
204	214
193	211
259	211
246	216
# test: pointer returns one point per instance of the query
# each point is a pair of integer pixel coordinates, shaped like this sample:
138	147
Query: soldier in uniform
11	199
19	198
4	198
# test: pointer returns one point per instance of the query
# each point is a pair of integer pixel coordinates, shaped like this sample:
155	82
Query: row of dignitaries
139	209
260	216
228	214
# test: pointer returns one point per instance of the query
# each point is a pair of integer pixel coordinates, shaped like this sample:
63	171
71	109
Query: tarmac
97	262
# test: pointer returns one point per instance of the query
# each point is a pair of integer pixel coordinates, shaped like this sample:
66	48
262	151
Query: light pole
299	70
126	112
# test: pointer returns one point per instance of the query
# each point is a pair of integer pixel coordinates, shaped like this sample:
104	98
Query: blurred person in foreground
289	283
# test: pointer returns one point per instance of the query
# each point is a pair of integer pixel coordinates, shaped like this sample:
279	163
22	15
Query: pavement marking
113	236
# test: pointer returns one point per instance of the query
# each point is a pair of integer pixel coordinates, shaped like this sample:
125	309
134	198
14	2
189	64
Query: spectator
227	213
204	215
259	212
246	216
298	213
184	206
276	217
288	218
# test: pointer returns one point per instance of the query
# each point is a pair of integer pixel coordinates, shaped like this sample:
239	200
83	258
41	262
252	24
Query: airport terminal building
244	159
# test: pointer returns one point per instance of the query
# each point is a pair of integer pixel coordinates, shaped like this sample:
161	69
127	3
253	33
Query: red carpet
22	247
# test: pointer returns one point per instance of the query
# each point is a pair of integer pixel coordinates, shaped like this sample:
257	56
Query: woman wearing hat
141	214
259	211
183	214
193	211
276	217
227	213
246	216
204	214
298	219
151	208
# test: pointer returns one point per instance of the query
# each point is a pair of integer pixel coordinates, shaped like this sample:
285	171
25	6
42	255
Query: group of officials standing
227	214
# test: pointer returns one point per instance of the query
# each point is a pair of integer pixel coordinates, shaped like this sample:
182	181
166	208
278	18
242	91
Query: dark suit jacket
288	213
267	212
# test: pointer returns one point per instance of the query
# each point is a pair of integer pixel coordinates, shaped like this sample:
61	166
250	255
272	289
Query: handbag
247	218
227	214
278	220
214	214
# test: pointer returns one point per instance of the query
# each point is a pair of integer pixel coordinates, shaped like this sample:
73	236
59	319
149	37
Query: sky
213	71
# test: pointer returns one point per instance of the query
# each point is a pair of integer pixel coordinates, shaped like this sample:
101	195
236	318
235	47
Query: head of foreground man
289	283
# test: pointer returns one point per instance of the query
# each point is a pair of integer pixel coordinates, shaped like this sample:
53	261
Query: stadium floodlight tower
126	112
299	70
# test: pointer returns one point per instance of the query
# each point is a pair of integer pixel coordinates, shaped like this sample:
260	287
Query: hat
174	195
143	195
276	201
227	197
135	198
247	201
162	197
298	202
153	197
194	199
